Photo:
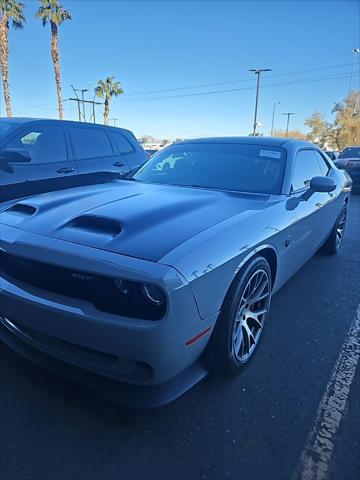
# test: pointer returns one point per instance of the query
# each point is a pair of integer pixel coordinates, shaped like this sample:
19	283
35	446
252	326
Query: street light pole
273	116
288	120
356	51
257	71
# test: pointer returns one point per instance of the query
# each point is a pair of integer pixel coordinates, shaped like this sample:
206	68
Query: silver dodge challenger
141	286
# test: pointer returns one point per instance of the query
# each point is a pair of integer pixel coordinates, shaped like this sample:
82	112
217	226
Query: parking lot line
315	460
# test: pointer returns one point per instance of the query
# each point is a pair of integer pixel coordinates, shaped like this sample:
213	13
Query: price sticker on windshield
269	153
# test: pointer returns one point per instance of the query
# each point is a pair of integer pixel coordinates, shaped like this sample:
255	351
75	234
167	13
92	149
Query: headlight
139	300
154	294
123	287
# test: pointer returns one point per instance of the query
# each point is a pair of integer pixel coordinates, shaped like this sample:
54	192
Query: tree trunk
107	110
55	59
4	59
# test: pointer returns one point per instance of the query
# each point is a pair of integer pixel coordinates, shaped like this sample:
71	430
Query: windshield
351	152
218	166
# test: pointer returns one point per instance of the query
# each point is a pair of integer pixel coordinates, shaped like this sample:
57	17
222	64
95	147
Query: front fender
211	260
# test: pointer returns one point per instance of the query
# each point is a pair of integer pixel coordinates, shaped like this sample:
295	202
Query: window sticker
269	153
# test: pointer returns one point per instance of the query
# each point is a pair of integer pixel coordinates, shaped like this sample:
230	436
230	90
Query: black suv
39	156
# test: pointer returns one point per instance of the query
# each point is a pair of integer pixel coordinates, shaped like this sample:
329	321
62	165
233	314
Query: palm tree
53	12
11	11
108	89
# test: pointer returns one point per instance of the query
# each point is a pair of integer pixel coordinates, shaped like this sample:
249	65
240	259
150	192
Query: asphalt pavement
253	426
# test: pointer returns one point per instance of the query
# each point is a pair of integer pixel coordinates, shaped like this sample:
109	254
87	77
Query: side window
322	163
46	144
121	143
90	143
306	167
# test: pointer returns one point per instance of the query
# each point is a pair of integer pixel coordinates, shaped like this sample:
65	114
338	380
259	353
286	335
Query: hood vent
22	210
97	225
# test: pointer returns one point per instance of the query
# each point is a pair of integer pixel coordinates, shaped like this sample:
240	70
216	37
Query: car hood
131	218
347	159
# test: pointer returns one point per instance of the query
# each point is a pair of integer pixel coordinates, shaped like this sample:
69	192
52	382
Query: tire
238	331
333	243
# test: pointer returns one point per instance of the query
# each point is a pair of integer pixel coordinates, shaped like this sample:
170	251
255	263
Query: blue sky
160	45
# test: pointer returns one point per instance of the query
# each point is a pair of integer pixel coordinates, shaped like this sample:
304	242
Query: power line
231	90
228	82
339	76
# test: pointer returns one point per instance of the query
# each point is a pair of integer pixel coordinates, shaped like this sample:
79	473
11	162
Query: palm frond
14	12
52	11
109	88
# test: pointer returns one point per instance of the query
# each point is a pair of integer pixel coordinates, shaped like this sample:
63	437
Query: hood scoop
22	209
17	214
96	225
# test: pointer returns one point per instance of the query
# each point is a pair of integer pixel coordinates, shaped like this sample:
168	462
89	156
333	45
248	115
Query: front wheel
241	322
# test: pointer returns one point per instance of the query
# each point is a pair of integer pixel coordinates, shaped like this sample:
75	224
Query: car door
95	156
128	155
312	217
48	166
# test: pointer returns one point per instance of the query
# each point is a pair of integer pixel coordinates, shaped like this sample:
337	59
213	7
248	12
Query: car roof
20	120
269	141
17	119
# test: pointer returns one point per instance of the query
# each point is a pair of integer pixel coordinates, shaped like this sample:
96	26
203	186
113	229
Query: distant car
349	160
39	156
332	154
150	152
154	280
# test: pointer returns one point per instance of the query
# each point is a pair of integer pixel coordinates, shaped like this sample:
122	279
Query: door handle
65	170
118	164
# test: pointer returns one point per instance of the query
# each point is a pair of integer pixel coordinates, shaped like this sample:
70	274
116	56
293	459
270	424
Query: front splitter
149	396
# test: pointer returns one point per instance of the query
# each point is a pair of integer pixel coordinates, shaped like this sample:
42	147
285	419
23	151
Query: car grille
124	369
100	291
82	353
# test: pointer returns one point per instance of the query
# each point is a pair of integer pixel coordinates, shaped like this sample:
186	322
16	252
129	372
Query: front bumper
123	393
140	352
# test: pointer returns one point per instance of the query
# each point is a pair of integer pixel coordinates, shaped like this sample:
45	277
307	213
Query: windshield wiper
192	186
132	179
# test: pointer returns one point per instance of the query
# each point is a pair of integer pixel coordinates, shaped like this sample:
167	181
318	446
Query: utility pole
91	102
82	97
288	120
114	120
81	103
356	51
273	117
82	100
257	71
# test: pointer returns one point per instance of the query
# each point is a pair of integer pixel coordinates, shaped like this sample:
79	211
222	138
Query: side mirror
317	184
16	155
322	184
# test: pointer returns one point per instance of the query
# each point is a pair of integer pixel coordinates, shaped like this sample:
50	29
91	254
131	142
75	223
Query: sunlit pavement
253	426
